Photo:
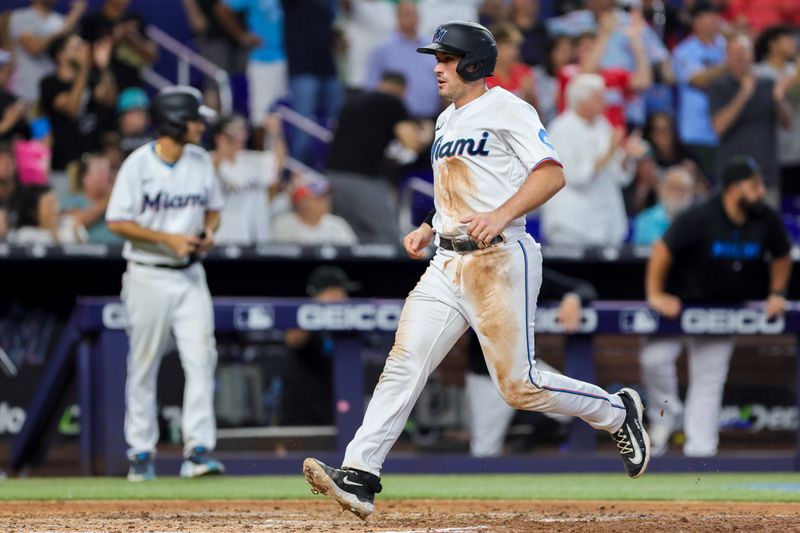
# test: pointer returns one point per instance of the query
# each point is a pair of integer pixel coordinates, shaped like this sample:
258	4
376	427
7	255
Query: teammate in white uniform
166	203
492	164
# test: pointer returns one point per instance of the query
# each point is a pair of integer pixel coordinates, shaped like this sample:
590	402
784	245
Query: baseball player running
493	163
166	203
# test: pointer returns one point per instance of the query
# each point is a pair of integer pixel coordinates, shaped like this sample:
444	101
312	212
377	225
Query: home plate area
398	516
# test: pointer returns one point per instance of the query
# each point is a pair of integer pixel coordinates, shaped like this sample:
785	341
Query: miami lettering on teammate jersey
459	146
163	200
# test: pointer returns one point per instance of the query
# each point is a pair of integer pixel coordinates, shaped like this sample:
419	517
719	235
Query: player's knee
522	395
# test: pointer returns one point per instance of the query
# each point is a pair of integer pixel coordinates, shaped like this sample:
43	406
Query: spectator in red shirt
621	84
761	14
510	72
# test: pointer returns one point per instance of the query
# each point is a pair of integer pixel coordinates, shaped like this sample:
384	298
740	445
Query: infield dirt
406	516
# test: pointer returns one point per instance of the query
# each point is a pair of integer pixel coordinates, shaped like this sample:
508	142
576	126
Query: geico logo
729	321
547	321
114	316
362	317
11	419
759	417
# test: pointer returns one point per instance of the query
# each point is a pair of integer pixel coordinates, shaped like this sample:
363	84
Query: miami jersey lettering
162	197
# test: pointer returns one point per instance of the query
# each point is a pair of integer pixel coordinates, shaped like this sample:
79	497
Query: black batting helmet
174	106
474	43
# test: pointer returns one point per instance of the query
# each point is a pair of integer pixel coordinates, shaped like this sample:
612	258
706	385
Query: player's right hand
181	244
665	304
416	241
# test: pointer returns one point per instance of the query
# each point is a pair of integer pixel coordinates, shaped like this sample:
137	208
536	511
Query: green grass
716	487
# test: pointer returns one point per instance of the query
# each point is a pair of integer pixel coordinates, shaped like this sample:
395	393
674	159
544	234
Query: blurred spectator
433	13
90	187
776	51
132	49
112	151
266	64
558	54
33	29
761	14
665	147
365	24
32	162
133	119
598	161
699	60
746	111
525	16
619	52
510	73
12	108
79	97
249	180
729	249
4	231
40	221
214	43
675	193
366	125
308	382
314	87
621	83
489	414
312	223
9	187
670	17
399	54
665	151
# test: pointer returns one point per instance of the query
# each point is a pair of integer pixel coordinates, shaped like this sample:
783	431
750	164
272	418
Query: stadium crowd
646	101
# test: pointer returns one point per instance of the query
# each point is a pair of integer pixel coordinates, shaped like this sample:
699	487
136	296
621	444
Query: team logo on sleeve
545	139
439	35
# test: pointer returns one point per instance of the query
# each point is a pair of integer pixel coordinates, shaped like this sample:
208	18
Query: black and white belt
466	244
166	265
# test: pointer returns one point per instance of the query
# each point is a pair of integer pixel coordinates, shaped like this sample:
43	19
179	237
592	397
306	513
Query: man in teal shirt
675	193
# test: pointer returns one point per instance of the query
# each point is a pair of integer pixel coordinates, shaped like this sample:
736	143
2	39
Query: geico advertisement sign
343	317
547	321
11	419
722	321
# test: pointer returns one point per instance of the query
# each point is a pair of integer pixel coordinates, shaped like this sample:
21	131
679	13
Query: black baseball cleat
632	439
353	489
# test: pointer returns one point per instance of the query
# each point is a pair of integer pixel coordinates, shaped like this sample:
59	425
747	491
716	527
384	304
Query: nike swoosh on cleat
347	481
637	452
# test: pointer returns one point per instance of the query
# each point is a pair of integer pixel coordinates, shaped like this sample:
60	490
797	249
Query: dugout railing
93	350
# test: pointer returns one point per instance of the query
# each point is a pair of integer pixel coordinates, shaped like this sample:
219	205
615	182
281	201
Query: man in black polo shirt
361	192
726	250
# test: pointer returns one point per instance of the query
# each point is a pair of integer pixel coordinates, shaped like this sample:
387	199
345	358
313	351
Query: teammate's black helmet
173	107
470	40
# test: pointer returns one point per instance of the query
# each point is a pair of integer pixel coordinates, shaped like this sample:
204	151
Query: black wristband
782	293
429	218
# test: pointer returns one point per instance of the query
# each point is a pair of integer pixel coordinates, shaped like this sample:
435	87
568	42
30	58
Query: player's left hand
775	305
207	242
483	227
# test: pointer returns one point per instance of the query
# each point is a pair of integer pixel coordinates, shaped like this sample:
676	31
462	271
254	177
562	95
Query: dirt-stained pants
494	291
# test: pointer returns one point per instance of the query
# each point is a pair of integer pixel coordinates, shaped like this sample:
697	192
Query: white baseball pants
494	291
160	302
708	358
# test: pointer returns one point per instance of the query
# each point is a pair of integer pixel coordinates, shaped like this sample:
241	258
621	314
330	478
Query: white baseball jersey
163	197
244	181
482	153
